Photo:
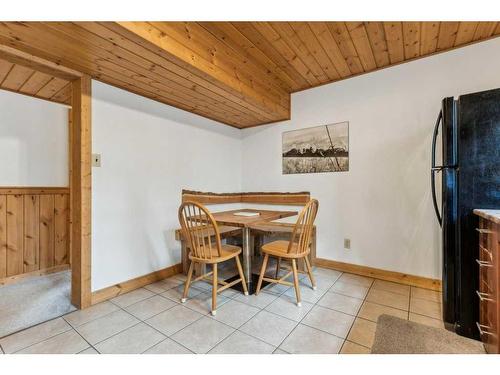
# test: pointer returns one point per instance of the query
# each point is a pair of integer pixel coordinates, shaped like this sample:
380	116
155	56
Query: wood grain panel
63	95
234	39
325	38
3	236
14	190
46	231
17	77
290	37
396	277
5	68
34	226
484	30
341	35
264	35
376	35
237	73
447	35
280	198
156	39
311	43
35	83
31	233
81	191
61	229
24	80
196	38
129	285
51	88
429	34
15	229
361	42
395	45
465	33
411	38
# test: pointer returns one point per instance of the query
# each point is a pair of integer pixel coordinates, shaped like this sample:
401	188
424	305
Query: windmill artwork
319	149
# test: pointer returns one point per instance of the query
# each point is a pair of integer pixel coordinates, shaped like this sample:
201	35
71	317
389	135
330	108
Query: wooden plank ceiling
24	80
238	73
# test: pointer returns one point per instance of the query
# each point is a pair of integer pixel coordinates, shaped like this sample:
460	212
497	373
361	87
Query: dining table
244	218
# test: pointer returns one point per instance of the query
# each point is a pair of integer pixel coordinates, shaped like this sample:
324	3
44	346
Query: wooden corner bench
262	232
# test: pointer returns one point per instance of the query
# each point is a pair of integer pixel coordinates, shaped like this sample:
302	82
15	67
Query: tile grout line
176	304
78	333
75	328
356	317
245	333
114	334
229	298
165	339
238	329
38	342
298	323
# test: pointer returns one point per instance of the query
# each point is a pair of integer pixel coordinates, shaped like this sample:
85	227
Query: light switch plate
96	160
347	243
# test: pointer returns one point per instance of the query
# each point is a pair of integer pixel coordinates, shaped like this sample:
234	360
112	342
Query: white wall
33	141
149	153
383	204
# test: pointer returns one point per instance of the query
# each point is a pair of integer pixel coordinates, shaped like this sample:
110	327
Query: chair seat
280	249
227	252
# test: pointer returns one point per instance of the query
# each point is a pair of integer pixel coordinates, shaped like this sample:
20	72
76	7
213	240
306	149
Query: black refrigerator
469	172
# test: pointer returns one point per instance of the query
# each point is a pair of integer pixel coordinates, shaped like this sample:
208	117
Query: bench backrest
279	198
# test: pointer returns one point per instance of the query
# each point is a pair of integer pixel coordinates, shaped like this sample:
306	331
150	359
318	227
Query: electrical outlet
96	160
347	243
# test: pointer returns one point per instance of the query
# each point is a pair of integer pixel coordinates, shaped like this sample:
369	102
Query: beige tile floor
339	317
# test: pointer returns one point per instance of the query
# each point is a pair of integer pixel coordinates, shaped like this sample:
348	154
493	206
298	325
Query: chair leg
296	281
262	272
188	282
214	289
242	276
278	264
310	273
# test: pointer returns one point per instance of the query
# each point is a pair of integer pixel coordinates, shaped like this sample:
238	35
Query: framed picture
315	150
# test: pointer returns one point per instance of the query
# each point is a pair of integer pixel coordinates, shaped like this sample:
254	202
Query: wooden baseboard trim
129	285
27	275
376	273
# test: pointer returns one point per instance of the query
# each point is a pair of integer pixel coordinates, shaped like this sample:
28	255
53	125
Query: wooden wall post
81	199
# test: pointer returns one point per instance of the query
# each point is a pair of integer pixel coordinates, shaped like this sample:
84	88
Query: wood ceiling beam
28	60
237	73
173	50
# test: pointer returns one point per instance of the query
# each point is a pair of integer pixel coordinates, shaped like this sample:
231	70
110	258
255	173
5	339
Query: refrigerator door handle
434	169
434	139
434	199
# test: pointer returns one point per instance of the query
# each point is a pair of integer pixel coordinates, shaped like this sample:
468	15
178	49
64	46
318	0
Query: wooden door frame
81	191
80	173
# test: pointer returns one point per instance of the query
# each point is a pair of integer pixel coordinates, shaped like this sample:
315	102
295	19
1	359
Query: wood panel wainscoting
377	273
34	231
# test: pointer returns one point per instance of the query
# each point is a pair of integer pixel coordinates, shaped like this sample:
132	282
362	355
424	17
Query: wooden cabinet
489	279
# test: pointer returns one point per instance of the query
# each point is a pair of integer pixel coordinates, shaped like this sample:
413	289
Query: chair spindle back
301	235
199	228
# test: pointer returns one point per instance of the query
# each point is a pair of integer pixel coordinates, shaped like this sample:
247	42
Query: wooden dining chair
294	250
200	230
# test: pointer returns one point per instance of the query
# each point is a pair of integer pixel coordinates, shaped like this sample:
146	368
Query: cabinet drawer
489	293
